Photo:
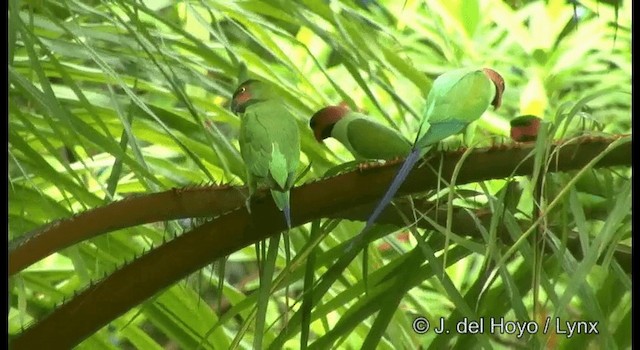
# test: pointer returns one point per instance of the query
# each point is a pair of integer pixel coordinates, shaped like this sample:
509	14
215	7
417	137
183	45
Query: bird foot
247	204
367	165
497	143
261	194
395	160
255	197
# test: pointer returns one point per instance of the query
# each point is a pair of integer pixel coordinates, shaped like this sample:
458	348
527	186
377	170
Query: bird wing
255	144
272	144
372	140
454	101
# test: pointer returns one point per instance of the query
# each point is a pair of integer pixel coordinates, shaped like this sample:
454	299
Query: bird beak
316	131
318	137
234	107
498	81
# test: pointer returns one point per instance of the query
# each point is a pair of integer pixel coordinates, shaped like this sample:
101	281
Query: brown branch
161	267
211	201
169	205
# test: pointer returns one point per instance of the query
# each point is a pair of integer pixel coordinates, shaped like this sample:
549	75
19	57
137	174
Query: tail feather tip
287	215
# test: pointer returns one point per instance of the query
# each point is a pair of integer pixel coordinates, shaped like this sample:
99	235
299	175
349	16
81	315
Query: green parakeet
456	99
362	136
269	141
525	128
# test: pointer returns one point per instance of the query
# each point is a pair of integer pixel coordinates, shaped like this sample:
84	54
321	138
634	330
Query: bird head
498	81
323	121
525	128
247	93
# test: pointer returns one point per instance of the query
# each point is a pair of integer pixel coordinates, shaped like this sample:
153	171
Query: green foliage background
114	98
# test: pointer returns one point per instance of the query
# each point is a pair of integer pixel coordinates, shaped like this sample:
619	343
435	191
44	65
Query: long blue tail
287	215
282	202
402	174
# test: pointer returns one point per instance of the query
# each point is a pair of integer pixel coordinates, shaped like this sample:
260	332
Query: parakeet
525	128
456	99
362	136
269	141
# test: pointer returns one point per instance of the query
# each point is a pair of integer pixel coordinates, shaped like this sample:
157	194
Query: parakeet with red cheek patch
363	137
269	141
525	128
456	99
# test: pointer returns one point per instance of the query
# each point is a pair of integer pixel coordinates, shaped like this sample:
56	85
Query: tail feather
287	215
282	202
402	174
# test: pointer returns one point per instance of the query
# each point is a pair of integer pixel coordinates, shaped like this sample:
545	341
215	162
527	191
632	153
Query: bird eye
242	89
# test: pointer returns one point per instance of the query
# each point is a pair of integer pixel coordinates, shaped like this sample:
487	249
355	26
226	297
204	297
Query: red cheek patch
524	133
242	98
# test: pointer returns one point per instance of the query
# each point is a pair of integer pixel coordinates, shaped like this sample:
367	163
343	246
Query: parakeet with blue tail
456	99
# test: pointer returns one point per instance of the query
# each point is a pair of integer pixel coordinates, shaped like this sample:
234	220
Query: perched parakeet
362	136
525	128
456	99
269	141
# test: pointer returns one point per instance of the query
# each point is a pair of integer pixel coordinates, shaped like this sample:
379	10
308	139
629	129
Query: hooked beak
317	136
316	131
498	81
234	107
